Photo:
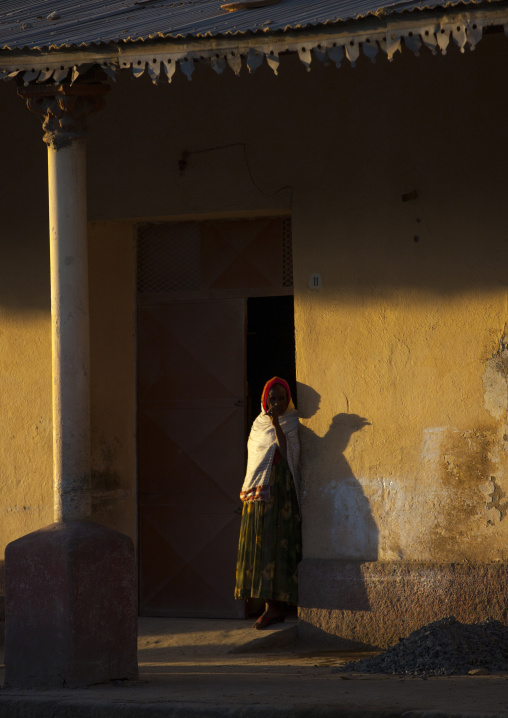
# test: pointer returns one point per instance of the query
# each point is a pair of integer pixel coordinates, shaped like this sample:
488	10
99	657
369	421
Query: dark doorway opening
270	347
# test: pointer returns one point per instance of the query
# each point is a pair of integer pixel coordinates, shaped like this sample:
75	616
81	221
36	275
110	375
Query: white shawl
261	449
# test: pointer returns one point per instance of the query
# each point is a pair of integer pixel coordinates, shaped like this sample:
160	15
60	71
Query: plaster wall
26	498
406	456
400	354
112	263
407	329
25	347
25	381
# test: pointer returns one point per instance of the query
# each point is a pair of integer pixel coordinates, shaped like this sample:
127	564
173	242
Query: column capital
64	109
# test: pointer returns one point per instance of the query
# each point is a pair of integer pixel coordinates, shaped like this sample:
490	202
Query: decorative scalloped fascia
372	38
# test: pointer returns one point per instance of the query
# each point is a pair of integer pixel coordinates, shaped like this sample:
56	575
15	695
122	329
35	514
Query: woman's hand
277	405
274	412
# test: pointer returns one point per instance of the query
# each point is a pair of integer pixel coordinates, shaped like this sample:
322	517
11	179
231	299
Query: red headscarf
268	386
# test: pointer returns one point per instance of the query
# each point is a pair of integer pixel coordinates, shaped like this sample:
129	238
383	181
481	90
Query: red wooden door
191	455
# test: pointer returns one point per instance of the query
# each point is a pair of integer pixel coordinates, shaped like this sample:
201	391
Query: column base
71	607
351	605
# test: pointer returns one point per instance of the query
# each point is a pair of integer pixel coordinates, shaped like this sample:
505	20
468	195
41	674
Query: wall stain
467	456
106	482
2	590
495	381
465	467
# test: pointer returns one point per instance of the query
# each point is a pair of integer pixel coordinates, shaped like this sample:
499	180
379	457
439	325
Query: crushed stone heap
442	648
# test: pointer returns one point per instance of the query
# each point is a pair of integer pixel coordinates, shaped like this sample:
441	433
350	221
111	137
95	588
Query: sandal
264	621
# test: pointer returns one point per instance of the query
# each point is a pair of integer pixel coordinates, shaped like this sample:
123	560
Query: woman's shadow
337	518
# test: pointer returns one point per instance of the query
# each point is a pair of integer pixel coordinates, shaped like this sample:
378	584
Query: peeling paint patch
467	456
495	381
354	530
403	514
464	463
433	437
498	503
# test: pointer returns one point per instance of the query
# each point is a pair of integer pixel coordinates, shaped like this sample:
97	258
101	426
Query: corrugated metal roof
43	24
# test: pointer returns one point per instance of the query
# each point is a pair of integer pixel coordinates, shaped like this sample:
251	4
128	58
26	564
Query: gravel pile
443	648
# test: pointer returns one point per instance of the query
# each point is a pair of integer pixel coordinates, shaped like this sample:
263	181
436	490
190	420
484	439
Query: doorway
270	347
209	305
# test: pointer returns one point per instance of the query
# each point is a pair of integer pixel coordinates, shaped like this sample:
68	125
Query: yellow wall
402	333
416	482
25	383
25	341
25	427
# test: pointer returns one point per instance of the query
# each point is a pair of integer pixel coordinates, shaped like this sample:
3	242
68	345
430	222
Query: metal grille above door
249	257
169	257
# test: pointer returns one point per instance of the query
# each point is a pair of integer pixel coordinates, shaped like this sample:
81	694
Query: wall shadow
2	592
338	509
25	269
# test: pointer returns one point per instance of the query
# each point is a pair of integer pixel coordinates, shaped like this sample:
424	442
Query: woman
270	534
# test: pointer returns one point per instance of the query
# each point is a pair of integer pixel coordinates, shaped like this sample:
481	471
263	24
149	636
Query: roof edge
159	58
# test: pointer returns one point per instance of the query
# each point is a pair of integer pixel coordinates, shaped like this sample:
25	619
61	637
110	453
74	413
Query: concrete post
71	603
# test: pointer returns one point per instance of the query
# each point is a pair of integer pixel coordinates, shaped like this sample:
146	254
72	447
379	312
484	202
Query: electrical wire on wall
186	154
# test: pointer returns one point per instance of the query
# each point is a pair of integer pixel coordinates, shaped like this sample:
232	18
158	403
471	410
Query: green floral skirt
270	545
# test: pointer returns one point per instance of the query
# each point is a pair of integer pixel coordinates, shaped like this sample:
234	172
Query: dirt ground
224	667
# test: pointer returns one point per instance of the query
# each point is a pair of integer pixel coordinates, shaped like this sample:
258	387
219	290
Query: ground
210	667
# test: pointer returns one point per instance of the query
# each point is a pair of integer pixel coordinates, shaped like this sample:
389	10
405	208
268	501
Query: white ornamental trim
160	61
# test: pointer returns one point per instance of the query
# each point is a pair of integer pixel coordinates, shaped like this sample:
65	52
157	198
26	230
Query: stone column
64	110
71	604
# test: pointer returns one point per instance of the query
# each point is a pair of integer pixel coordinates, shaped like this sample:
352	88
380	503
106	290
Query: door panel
191	460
